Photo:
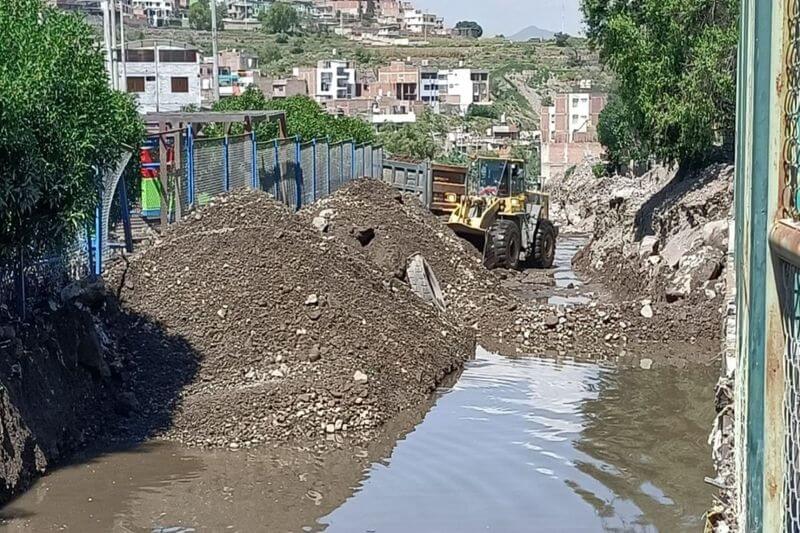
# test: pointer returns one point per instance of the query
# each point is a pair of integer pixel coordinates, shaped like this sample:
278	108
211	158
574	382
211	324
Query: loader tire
544	245
506	244
424	283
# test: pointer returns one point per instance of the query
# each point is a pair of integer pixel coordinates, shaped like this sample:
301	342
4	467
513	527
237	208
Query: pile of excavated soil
295	338
374	221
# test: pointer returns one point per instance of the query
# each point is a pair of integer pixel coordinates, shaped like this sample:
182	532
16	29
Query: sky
509	16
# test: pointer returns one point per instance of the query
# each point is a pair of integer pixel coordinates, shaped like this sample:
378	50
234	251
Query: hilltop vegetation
544	67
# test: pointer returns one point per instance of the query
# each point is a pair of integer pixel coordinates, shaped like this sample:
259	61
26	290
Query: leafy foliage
304	118
484	111
474	29
280	18
200	15
675	64
418	140
618	132
61	126
562	39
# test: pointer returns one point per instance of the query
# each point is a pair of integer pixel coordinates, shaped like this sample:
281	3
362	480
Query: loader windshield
489	177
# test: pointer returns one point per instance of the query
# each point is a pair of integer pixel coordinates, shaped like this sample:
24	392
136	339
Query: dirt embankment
660	238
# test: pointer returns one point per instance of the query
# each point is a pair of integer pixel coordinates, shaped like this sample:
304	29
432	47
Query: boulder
648	246
715	234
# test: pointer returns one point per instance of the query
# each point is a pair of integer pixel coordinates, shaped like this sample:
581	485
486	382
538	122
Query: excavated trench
511	444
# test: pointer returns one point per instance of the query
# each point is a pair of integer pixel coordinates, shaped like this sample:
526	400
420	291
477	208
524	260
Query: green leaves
61	126
200	15
304	117
280	18
675	65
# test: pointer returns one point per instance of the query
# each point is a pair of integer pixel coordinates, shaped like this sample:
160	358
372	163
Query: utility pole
104	7
114	65
212	4
123	86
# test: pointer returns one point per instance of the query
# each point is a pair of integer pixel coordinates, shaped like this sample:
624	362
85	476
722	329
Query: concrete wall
159	96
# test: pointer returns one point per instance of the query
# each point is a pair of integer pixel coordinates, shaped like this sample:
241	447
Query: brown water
516	445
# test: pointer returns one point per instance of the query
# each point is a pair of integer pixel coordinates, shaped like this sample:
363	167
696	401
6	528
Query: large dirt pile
374	221
295	337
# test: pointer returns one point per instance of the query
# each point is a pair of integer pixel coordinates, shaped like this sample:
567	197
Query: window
575	118
180	85
140	56
574	102
135	84
177	56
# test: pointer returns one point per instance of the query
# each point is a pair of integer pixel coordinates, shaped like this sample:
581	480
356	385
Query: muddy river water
512	445
515	445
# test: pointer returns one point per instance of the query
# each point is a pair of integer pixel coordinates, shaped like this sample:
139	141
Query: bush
296	50
482	111
282	38
600	170
60	124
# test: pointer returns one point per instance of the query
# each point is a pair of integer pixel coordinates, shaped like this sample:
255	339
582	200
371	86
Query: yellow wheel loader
503	219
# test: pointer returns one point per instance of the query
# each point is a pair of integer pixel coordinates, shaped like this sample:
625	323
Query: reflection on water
527	444
516	445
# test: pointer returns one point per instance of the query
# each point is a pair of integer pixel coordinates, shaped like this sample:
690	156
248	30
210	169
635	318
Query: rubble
661	236
285	325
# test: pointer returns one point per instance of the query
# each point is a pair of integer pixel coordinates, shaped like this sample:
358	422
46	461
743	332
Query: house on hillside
162	75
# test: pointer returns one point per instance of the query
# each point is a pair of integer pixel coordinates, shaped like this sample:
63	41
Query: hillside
532	32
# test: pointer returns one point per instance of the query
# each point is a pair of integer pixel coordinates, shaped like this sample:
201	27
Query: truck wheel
544	245
506	244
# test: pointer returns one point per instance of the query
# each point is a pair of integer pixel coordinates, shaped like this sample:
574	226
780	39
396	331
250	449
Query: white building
163	75
157	12
336	80
462	87
416	21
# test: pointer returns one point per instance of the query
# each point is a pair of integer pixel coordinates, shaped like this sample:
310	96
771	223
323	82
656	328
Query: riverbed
525	444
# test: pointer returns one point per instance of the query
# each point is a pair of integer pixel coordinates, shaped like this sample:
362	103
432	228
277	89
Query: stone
551	321
312	299
320	224
647	311
715	234
222	313
648	246
654	260
646	364
360	377
313	354
330	428
364	235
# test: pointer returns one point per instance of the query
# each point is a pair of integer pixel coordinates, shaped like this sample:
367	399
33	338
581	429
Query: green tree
304	118
674	62
562	39
419	140
61	126
618	132
200	15
472	29
280	18
482	111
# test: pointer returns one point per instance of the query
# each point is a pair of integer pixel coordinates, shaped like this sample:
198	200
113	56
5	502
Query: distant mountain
532	32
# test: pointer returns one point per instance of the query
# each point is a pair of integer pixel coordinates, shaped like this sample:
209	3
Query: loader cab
495	177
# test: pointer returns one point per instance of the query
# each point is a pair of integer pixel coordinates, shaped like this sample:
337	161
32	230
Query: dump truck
504	219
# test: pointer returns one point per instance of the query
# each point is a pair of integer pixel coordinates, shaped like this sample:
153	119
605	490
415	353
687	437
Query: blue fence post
353	160
314	168
298	173
328	165
341	167
190	164
126	214
98	239
277	146
90	248
255	159
226	180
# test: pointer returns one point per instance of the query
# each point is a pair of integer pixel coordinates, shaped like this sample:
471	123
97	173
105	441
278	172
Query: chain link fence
790	302
209	165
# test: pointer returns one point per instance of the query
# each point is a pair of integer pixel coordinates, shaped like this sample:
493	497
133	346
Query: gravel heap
504	319
295	337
